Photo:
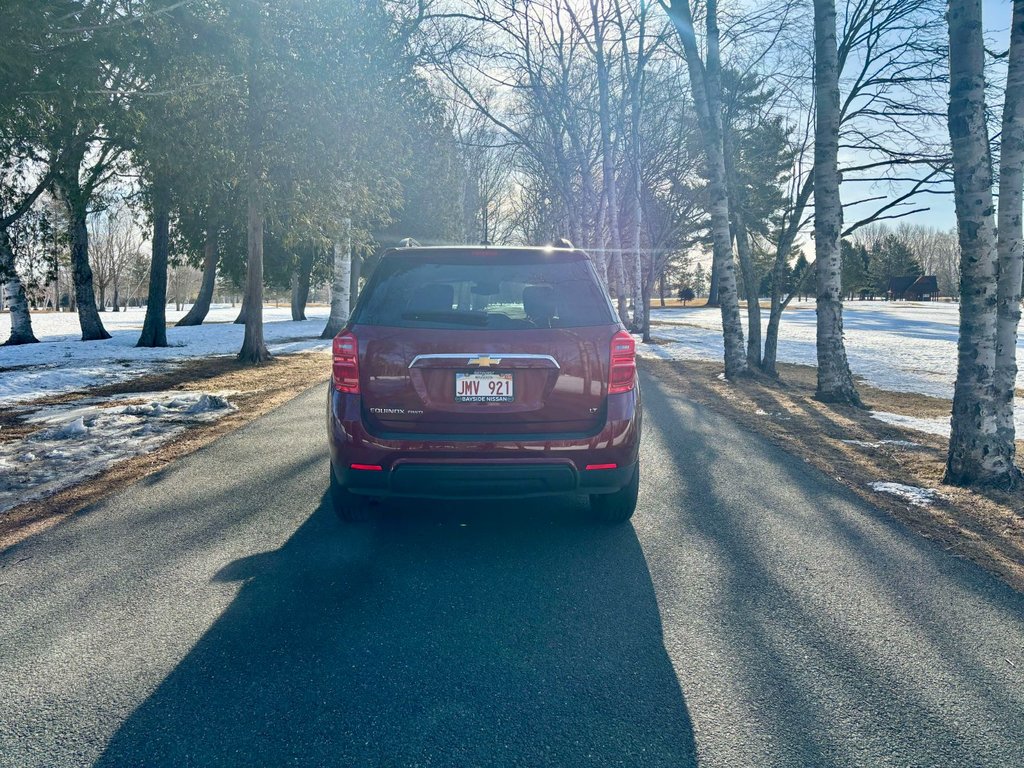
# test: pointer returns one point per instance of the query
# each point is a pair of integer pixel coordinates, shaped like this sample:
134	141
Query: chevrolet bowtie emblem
485	362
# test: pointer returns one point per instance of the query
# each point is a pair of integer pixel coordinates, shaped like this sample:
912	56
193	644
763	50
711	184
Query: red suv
484	372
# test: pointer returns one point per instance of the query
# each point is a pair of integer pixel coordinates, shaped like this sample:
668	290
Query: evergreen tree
856	268
889	258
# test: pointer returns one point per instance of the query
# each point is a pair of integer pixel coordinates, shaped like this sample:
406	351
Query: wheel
617	507
349	507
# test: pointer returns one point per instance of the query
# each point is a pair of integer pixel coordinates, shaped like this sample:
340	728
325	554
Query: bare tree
891	65
114	240
978	453
936	249
706	90
1010	237
835	382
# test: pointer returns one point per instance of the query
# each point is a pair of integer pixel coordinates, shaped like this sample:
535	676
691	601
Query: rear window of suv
482	293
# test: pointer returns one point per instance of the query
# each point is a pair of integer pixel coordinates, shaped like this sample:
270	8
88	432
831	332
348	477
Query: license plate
483	387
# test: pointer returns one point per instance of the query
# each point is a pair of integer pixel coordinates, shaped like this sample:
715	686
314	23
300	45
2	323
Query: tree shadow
866	639
439	634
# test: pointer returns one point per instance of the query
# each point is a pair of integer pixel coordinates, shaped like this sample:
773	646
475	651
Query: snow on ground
919	497
63	363
80	441
895	346
880	443
935	426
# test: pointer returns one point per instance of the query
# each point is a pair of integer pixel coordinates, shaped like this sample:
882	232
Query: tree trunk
21	320
117	297
713	299
835	382
254	349
608	183
739	229
704	84
357	273
771	336
300	284
154	328
618	280
81	272
1010	237
645	321
243	311
641	292
197	314
750	285
977	452
341	286
85	295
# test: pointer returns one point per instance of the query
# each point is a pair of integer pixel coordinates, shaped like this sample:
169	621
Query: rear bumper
436	466
452	480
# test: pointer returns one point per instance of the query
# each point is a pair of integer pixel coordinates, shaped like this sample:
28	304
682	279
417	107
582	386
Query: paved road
755	614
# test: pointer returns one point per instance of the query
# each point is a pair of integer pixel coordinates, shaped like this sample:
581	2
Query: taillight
623	363
346	362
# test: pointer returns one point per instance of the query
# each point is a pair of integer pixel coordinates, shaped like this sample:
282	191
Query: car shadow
441	633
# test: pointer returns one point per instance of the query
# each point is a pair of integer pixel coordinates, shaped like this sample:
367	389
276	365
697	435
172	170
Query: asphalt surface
754	614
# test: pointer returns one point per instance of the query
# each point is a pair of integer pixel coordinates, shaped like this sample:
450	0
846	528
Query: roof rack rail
562	242
408	242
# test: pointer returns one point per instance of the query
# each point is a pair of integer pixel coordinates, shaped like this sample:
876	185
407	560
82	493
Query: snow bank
81	441
919	497
895	346
63	363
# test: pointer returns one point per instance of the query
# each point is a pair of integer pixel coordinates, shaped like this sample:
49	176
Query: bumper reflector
370	467
602	466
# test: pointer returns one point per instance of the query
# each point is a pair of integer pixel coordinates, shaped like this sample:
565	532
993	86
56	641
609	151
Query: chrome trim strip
496	355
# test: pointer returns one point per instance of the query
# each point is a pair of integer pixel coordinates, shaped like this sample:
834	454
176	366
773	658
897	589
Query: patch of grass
985	526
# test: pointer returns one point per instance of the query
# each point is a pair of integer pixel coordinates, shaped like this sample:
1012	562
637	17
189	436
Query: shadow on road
852	627
437	635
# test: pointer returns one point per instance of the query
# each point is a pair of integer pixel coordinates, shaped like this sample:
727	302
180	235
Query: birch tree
14	291
341	286
835	382
705	80
10	282
978	453
1010	238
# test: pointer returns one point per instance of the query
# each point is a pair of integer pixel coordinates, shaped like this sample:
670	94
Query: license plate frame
491	387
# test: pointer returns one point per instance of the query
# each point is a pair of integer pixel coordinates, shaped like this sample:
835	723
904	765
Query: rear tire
617	507
349	507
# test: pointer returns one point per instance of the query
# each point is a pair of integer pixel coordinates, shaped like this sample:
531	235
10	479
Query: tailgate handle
483	361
